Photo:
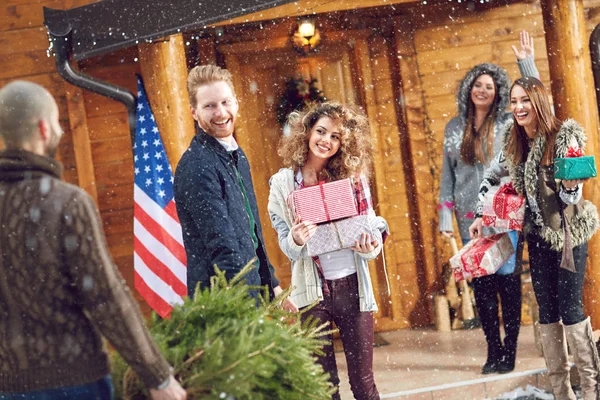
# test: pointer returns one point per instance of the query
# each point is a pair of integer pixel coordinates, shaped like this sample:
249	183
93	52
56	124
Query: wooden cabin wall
105	143
23	45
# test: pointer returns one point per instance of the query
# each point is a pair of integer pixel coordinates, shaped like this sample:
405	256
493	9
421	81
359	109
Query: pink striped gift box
324	202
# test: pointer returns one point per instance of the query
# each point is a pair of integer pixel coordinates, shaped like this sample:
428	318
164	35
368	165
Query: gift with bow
504	208
575	165
324	202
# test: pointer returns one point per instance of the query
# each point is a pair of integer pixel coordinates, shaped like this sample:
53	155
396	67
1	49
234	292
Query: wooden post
574	97
164	71
82	148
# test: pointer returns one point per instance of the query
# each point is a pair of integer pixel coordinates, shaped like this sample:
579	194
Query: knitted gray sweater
459	185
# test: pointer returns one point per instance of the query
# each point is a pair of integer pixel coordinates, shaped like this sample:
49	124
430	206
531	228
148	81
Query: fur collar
569	131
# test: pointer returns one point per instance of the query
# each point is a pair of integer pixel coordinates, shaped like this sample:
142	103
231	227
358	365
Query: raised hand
526	46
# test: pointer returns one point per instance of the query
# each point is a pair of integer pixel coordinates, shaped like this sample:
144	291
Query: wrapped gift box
458	269
569	168
481	257
337	235
324	202
504	208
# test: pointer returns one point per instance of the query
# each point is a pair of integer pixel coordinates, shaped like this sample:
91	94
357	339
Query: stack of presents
503	208
333	207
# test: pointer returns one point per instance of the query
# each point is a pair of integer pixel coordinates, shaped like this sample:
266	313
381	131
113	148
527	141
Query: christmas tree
223	346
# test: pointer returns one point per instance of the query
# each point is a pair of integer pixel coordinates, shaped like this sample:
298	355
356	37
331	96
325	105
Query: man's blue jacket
214	221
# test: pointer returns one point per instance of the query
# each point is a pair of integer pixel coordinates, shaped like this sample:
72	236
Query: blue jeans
100	390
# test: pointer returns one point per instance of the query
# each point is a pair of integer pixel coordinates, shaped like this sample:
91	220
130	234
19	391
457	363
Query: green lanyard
246	203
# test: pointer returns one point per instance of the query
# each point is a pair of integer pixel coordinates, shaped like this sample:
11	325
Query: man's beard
52	148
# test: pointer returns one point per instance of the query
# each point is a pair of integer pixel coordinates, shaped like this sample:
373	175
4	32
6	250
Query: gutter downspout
61	34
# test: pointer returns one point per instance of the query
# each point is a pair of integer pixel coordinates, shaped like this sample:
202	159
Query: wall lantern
307	36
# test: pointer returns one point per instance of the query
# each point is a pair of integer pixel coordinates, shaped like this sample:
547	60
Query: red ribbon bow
572	152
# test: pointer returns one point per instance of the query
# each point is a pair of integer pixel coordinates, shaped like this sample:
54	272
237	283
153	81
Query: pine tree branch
236	363
189	361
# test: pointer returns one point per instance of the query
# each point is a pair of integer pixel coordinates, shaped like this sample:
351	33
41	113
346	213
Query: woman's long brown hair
547	124
471	149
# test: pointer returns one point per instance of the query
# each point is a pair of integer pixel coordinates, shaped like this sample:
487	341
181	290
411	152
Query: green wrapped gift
569	168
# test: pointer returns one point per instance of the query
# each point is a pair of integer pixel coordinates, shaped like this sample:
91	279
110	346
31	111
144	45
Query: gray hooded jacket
459	185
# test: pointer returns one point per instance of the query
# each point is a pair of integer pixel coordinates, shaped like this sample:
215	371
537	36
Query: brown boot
554	346
585	355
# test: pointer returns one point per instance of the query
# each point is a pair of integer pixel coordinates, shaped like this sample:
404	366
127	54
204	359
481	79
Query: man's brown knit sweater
59	288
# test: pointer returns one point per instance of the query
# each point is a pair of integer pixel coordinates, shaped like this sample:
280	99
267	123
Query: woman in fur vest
331	141
558	225
471	140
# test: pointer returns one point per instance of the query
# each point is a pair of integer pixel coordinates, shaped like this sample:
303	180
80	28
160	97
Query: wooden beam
574	97
164	70
394	313
81	139
421	144
425	271
310	7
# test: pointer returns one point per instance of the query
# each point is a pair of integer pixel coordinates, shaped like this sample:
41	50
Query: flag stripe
159	233
172	211
159	269
163	217
159	251
156	302
157	285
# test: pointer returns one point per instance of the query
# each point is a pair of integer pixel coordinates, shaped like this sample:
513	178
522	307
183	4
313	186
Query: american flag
159	255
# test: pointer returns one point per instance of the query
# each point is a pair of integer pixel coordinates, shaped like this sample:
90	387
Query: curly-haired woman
331	141
471	140
558	226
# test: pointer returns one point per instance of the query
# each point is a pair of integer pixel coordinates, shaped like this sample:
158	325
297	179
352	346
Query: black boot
507	361
486	298
494	357
510	296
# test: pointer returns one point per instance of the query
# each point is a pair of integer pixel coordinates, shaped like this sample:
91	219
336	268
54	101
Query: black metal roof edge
91	24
